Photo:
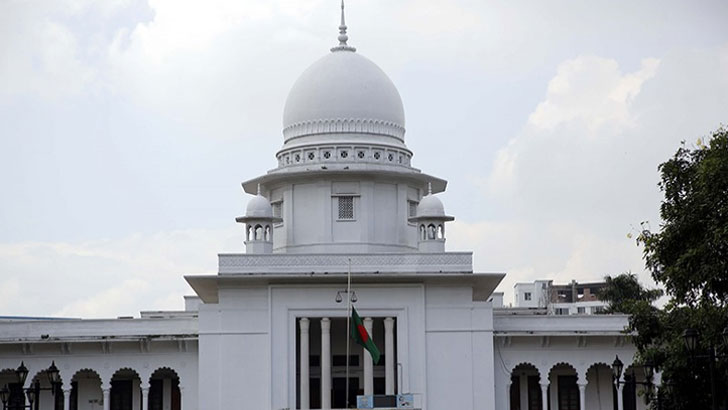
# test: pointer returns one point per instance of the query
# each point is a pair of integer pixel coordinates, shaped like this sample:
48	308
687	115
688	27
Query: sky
126	127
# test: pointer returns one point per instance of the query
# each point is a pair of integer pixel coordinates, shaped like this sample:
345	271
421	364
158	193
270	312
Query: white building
267	331
571	299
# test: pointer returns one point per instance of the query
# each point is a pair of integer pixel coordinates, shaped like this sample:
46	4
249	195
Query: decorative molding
360	263
327	152
348	125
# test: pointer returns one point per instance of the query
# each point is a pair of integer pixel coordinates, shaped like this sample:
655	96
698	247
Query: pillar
620	400
545	396
107	398
67	399
304	389
508	393
145	397
389	355
368	364
325	363
582	396
181	398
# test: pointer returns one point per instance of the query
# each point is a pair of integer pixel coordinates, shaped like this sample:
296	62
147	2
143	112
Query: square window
277	209
527	296
346	207
581	310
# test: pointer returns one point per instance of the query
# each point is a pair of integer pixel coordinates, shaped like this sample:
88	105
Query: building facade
268	330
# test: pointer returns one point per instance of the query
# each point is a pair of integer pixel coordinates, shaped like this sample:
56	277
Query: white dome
429	206
259	207
343	92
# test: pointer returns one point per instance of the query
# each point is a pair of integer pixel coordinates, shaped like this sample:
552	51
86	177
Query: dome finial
343	37
429	188
258	189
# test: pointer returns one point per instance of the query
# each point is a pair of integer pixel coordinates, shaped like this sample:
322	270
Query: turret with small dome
258	220
430	220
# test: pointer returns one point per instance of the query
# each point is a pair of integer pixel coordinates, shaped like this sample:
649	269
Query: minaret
430	222
258	222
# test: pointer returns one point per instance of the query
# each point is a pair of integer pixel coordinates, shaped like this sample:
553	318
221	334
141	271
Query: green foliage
689	258
689	255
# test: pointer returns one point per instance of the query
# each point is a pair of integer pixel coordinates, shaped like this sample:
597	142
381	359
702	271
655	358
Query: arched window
423	233
431	231
440	232
267	233
247	233
258	232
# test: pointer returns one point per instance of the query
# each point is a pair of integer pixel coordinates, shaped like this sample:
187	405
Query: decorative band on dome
352	125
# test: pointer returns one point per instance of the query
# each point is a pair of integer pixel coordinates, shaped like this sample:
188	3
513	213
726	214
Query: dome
430	205
343	92
259	207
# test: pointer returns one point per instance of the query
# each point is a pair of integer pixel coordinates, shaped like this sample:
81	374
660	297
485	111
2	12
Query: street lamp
32	393
649	372
691	337
617	367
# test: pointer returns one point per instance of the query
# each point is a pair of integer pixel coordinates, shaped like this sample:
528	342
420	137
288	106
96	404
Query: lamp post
692	341
649	370
32	393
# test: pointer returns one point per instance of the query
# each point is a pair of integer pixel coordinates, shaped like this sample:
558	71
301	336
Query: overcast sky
126	127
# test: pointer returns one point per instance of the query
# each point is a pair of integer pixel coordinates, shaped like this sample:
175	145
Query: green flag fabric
361	336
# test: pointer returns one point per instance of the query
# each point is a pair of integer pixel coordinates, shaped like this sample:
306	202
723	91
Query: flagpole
348	319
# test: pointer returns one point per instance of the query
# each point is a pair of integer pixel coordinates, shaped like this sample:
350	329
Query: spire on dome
429	188
258	189
343	37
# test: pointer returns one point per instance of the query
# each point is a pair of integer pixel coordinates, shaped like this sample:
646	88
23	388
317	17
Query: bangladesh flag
361	336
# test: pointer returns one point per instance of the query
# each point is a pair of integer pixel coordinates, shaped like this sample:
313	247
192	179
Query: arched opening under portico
563	387
164	391
47	399
600	391
125	390
9	379
525	390
86	390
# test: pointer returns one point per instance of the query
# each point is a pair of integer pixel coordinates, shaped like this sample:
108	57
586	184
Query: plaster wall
459	350
310	215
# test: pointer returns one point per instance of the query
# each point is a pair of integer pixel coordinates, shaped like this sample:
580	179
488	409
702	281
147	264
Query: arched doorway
86	390
125	390
525	391
9	380
47	399
600	391
563	388
164	392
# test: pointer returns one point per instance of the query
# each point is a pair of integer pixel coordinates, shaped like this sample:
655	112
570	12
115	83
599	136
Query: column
303	324
181	398
545	396
145	397
368	365
508	394
325	363
620	400
582	396
107	398
389	355
67	399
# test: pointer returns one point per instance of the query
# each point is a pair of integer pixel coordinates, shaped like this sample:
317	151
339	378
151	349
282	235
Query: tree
688	256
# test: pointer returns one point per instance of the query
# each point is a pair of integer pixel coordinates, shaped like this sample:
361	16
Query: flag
361	336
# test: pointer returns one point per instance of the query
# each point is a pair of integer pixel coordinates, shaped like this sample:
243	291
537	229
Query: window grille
311	156
377	155
277	209
344	154
360	154
346	207
412	206
327	154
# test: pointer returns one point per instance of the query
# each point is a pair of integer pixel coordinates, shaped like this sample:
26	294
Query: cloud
108	278
582	173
